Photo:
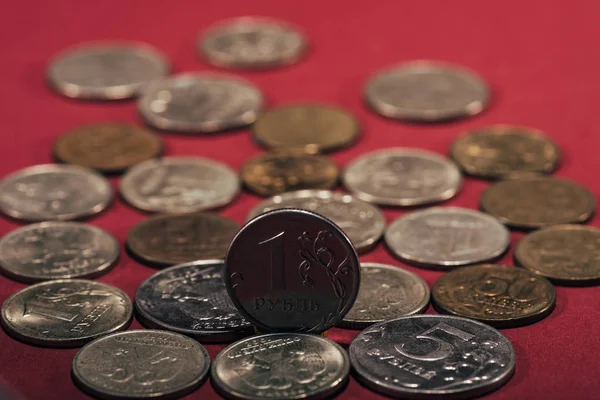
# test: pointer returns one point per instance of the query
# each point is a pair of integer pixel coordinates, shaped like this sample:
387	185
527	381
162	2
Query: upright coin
106	71
292	270
54	192
66	313
432	356
402	177
281	366
179	185
141	364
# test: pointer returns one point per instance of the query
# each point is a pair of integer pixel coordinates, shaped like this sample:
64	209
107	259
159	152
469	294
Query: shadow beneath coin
142	261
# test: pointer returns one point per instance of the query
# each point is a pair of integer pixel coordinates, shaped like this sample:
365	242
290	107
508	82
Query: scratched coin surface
281	366
66	313
54	192
432	356
447	237
141	364
402	177
538	202
292	270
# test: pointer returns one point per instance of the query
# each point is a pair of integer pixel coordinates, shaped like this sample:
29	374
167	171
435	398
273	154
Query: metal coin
447	237
292	270
191	299
362	222
106	71
432	356
426	91
141	364
402	177
281	366
179	185
54	192
66	313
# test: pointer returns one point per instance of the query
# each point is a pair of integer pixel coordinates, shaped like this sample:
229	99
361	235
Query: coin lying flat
402	177
141	364
66	313
281	366
432	356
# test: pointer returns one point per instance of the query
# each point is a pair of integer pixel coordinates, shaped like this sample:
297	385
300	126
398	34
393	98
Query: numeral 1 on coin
277	269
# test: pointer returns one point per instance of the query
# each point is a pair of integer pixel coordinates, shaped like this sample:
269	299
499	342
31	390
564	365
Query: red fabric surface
540	58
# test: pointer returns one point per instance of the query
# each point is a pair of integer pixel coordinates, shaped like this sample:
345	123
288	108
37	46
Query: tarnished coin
281	366
200	103
66	313
537	202
54	192
292	270
426	91
402	177
432	356
447	237
106	71
141	364
179	185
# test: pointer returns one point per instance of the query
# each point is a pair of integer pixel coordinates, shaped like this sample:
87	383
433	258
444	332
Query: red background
541	59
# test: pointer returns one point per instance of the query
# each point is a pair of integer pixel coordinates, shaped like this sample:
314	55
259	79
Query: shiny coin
447	237
106	71
538	202
141	365
200	103
432	356
281	366
402	177
179	185
54	192
66	313
292	270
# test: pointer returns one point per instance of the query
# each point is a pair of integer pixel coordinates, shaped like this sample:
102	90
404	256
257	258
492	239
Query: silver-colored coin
106	71
54	192
362	222
200	103
66	313
281	366
447	237
57	250
402	177
426	91
141	364
425	356
179	185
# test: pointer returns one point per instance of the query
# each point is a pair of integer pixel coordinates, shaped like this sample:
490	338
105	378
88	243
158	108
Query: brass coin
313	128
499	295
537	202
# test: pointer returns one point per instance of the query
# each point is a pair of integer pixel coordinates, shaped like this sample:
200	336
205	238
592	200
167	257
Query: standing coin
432	356
281	366
54	192
402	177
66	313
141	364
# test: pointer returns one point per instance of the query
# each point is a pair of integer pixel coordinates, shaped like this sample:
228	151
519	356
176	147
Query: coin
537	202
426	91
402	177
447	237
432	356
312	128
200	103
66	313
293	271
106	71
282	366
386	292
141	364
54	192
179	185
